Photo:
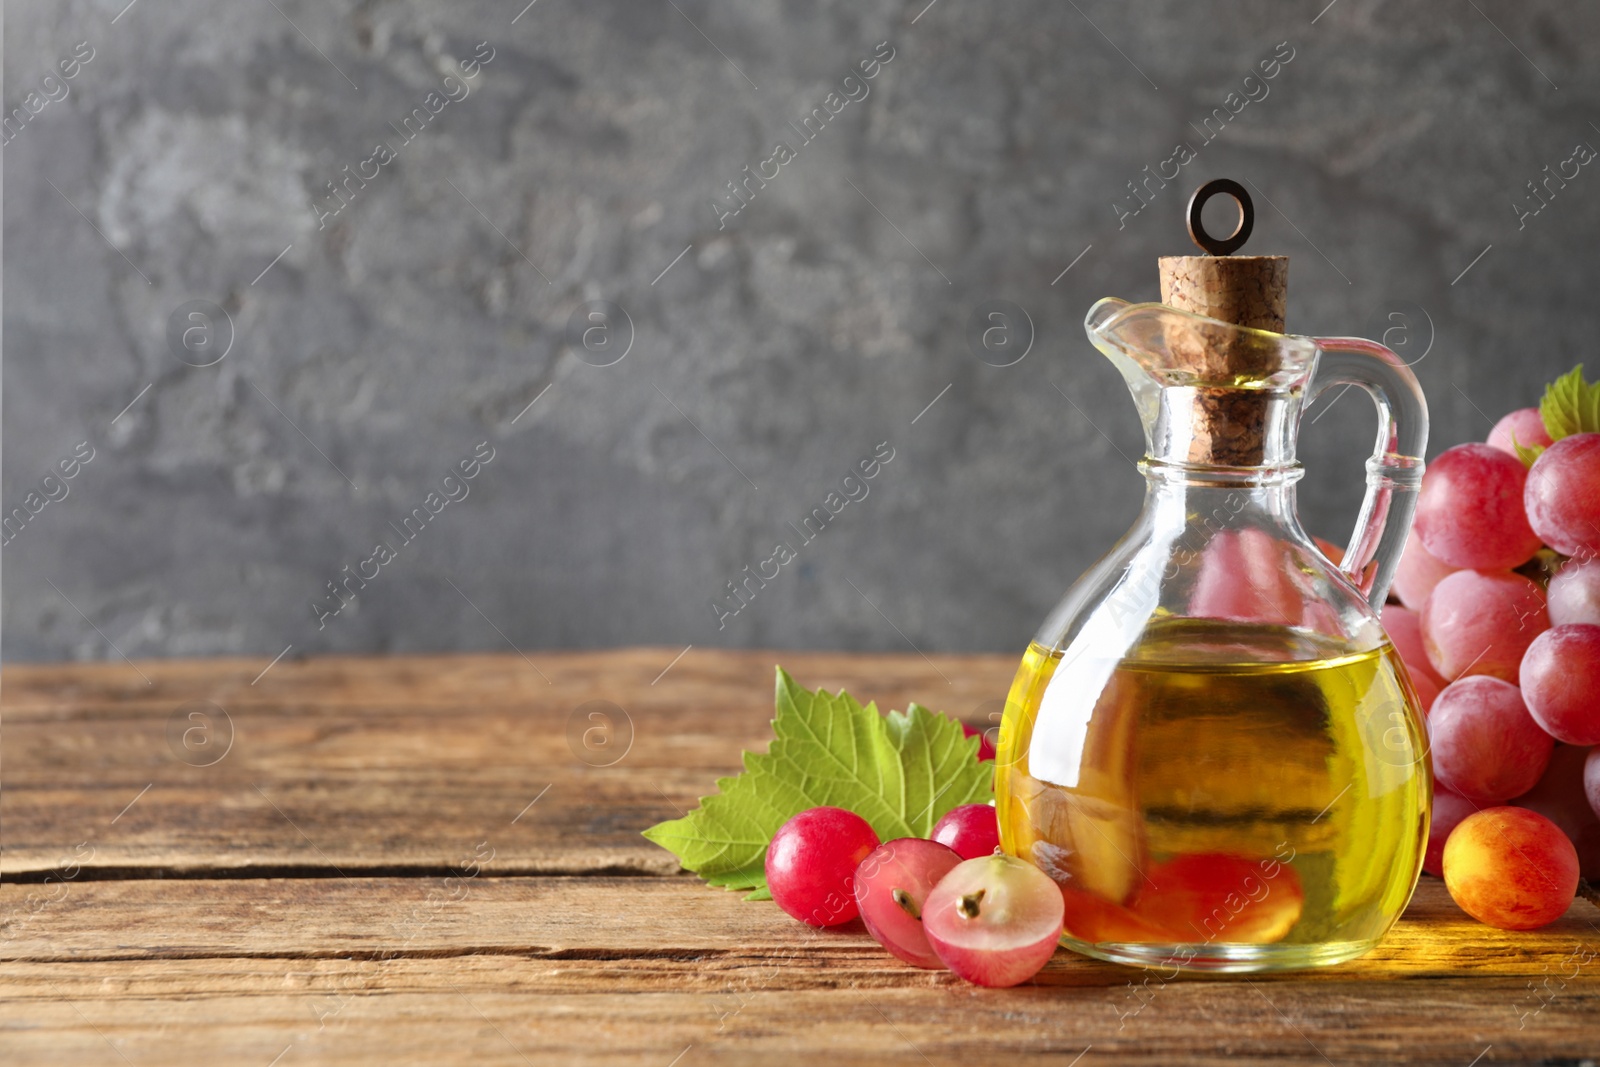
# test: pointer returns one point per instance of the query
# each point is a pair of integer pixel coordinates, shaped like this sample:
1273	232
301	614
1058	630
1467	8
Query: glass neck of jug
1243	518
1221	407
1234	434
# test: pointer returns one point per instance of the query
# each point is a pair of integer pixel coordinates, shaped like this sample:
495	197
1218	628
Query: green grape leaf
1570	406
901	773
1527	453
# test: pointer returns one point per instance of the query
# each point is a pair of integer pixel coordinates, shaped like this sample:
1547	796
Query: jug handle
1394	471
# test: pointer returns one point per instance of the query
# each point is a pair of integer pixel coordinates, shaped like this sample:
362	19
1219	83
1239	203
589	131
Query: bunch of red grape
950	901
1499	626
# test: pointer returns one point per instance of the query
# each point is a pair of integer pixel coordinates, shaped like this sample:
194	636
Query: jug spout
1210	393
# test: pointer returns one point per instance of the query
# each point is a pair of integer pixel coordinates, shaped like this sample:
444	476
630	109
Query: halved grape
892	885
1563	495
1481	622
1486	747
1511	868
811	864
994	921
1561	682
971	829
1575	593
1448	811
1528	427
1470	511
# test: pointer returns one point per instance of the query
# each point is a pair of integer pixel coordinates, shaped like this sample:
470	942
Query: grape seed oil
1221	796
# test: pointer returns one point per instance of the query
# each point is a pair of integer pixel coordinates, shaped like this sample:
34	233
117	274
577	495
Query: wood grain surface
422	860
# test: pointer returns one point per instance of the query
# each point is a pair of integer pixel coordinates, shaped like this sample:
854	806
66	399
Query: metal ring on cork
1221	246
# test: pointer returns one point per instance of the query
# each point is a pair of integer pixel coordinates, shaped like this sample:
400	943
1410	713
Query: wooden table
404	861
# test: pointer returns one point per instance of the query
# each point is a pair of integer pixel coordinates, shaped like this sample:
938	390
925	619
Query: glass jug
1211	744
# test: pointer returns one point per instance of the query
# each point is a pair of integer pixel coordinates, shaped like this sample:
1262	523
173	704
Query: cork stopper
1230	420
1244	290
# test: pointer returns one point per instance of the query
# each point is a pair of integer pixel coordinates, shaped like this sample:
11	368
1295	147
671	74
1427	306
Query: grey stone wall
378	338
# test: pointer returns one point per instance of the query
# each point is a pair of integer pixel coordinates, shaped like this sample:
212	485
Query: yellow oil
1224	796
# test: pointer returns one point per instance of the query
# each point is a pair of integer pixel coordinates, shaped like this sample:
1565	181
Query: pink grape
1481	622
1528	427
1563	495
811	864
985	746
1591	780
1418	573
1405	630
892	885
995	921
1486	747
1470	511
1561	797
1511	868
1561	682
1575	593
1448	811
1213	893
1334	553
1246	576
1427	692
972	830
